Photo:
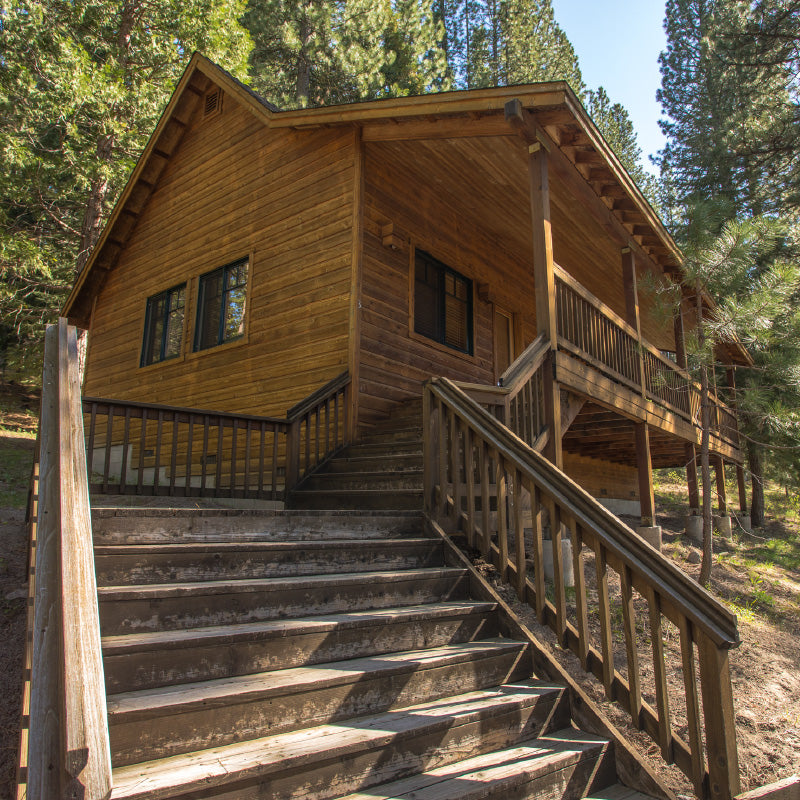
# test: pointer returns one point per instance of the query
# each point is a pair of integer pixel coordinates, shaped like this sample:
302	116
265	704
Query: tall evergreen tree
82	84
312	53
730	90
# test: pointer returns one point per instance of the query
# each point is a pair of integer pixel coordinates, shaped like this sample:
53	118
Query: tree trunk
756	465
705	469
93	215
303	85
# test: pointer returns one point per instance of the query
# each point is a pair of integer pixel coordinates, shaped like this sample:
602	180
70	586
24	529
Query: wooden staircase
316	655
383	470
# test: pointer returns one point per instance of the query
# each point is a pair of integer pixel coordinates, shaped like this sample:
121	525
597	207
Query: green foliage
82	85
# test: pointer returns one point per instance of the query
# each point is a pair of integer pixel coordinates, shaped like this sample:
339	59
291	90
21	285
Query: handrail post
292	455
720	727
430	465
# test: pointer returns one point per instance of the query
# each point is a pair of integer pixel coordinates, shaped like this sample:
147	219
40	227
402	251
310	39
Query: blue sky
618	43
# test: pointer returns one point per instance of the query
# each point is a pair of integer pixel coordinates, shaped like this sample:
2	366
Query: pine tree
81	87
313	53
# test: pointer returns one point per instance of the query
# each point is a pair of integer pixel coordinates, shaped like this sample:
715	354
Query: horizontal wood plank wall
602	479
236	189
411	187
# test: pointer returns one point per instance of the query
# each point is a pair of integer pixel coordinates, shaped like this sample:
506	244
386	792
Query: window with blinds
442	303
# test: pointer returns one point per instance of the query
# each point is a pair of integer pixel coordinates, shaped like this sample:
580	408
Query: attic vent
212	102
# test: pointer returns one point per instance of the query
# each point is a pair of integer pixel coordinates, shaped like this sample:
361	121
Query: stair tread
461	779
220	634
619	792
188	589
281	546
245	688
296	749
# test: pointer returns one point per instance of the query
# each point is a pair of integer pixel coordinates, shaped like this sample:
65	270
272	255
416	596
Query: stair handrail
463	439
68	753
305	451
525	364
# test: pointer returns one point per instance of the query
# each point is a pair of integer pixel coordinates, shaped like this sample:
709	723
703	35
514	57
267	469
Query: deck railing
518	402
150	449
65	749
507	498
594	333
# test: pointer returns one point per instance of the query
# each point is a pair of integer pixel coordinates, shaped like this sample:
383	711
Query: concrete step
119	565
339	758
161	526
566	765
136	609
346	481
180	719
362	499
163	658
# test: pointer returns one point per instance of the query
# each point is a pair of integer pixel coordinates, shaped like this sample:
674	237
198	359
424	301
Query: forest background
83	82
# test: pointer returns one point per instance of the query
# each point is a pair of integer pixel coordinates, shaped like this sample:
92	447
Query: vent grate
212	103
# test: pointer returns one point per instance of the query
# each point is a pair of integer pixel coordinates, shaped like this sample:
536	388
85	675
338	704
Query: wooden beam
544	286
444	128
645	469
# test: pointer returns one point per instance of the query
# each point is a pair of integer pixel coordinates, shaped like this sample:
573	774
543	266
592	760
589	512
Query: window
442	303
221	305
163	325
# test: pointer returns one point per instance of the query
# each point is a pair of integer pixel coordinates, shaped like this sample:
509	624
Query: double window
442	303
220	315
163	325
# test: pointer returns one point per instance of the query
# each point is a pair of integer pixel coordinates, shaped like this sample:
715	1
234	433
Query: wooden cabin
408	320
256	254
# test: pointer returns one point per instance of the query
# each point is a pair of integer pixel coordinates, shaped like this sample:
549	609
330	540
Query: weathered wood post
644	465
723	521
543	272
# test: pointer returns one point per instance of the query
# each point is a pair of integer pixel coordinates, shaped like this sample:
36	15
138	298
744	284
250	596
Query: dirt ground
765	668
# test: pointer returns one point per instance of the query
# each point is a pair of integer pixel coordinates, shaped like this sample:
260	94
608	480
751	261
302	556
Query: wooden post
645	469
632	305
742	489
691	477
720	728
292	456
544	285
356	270
722	500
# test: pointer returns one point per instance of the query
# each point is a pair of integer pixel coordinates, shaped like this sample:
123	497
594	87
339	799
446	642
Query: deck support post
648	529
694	522
723	520
544	285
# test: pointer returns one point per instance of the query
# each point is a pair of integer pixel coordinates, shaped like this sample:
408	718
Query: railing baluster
469	482
307	422
455	472
519	536
126	433
581	614
502	515
204	462
234	442
159	434
189	443
220	442
90	445
142	448
606	642
692	704
558	572
109	439
262	444
537	512
247	433
274	468
443	427
631	651
173	460
484	466
327	426
317	436
660	676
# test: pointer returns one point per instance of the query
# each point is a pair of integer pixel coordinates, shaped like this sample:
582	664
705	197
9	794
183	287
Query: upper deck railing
594	333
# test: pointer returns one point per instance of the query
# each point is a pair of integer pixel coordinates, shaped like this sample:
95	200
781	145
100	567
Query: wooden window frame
221	340
149	322
441	344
